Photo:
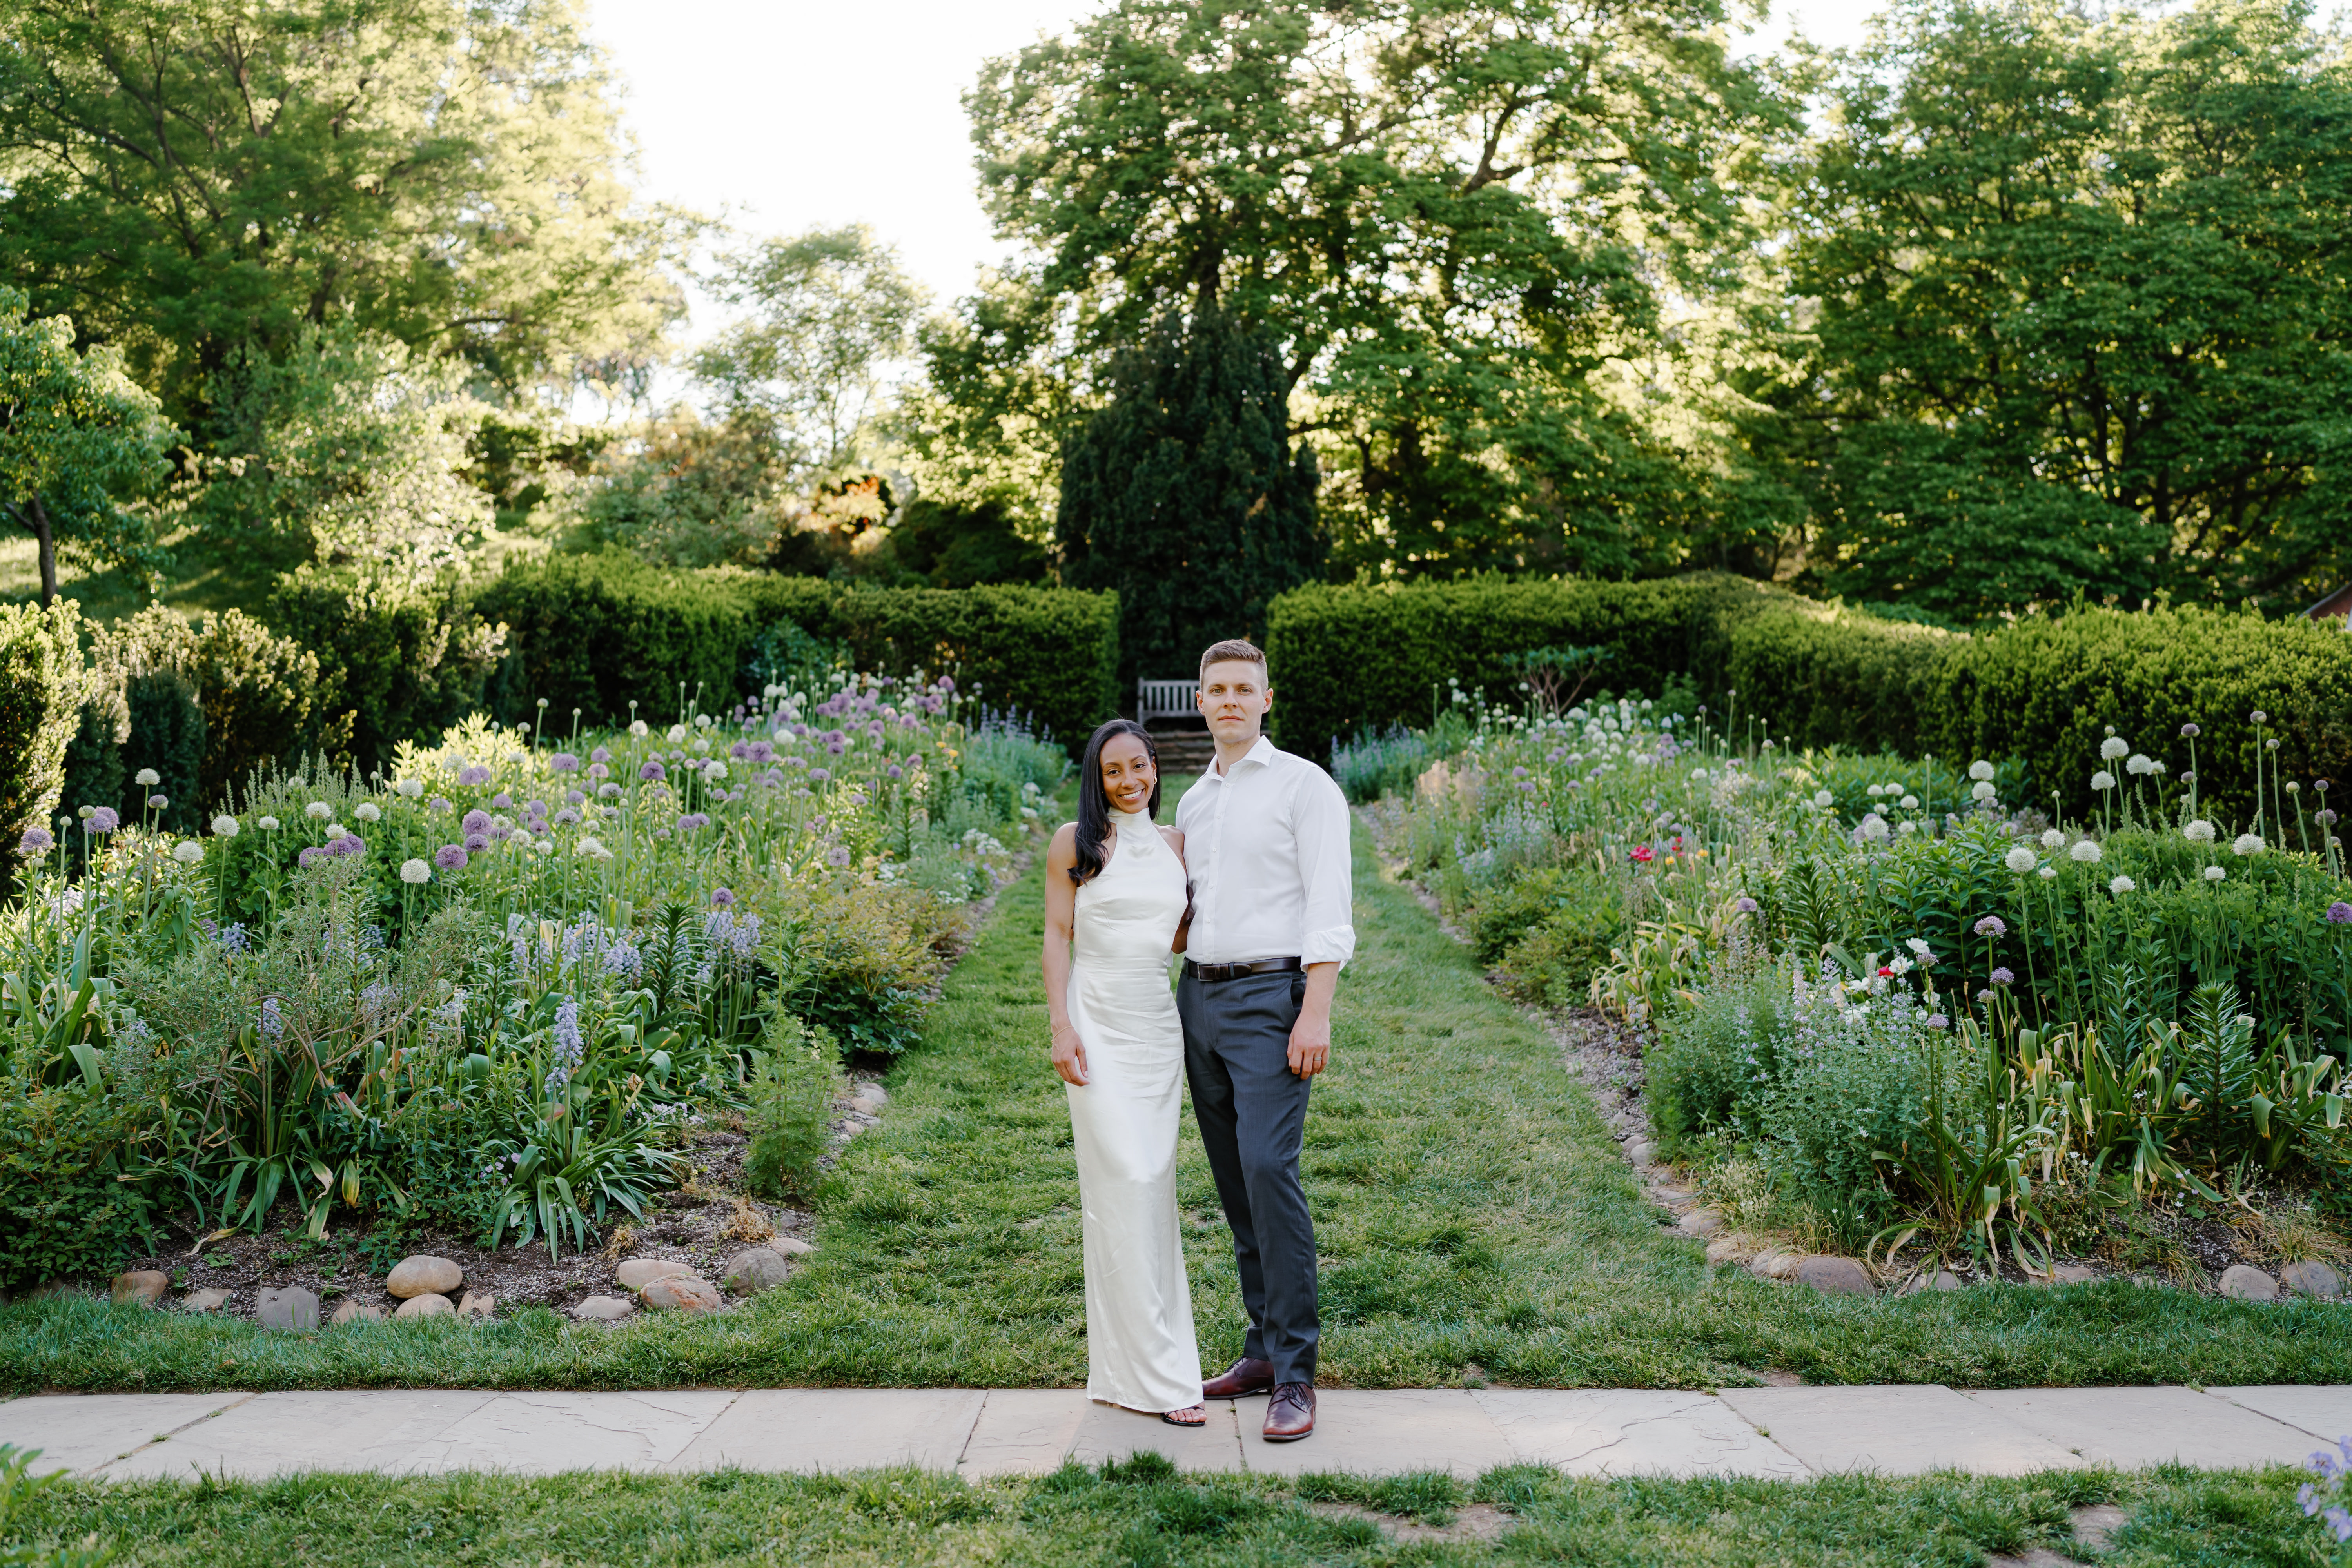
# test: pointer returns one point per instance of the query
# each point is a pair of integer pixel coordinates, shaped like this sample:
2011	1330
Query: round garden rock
357	1311
208	1300
755	1270
2247	1284
791	1245
1833	1276
477	1304
2312	1278
429	1305
423	1275
640	1272
293	1309
604	1308
140	1287
1700	1222
680	1293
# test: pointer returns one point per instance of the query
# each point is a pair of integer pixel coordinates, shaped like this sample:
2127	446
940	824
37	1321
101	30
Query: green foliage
167	739
77	435
962	545
1184	495
400	656
2083	308
602	633
680	491
193	178
65	1213
791	1094
1550	930
42	689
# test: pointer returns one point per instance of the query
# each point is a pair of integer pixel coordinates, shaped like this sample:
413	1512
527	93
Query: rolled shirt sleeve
1325	867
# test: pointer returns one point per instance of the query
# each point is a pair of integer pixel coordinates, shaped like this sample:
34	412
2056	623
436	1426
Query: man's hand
1070	1055
1310	1042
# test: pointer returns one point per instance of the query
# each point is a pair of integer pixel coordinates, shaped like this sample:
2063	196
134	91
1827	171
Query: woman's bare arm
1183	926
1061	913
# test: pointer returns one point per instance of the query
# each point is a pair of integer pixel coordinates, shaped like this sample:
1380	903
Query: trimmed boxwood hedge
594	632
2042	690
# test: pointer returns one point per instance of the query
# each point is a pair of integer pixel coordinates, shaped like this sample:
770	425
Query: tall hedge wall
2042	690
593	632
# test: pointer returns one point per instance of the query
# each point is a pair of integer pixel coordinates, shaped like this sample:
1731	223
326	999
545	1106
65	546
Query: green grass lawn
1143	1513
1475	1220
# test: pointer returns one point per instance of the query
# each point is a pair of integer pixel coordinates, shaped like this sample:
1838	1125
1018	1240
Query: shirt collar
1262	754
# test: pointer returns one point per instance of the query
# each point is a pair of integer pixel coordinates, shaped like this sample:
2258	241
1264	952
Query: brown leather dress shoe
1244	1376
1290	1415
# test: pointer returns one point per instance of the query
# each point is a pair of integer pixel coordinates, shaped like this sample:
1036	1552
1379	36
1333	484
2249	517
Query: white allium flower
714	769
2102	781
676	734
1919	946
367	811
543	845
2139	766
592	848
1909	803
187	851
2248	844
416	872
409	789
2111	748
2214	873
1983	790
225	824
334	830
318	811
1907	827
266	824
1874	828
1873	792
2122	884
2198	832
2020	859
1824	799
147	777
2053	839
2048	871
1980	771
2087	852
638	728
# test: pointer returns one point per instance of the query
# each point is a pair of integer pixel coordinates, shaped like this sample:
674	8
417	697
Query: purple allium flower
477	821
566	818
1746	906
473	773
574	797
104	820
2324	817
651	772
36	841
1992	925
895	771
836	856
598	770
308	858
502	800
477	842
760	752
534	808
2002	977
2339	913
818	775
739	749
438	806
450	857
158	802
2190	732
1937	1021
564	762
721	897
816	824
600	755
947	683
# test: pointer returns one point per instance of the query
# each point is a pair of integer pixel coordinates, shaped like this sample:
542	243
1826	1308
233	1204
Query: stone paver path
1786	1432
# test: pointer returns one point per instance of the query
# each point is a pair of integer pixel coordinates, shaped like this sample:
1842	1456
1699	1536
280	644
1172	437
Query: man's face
1235	698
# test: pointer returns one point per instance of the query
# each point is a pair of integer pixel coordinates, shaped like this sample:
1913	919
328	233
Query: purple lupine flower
1992	925
564	762
651	772
722	896
472	775
104	820
2339	913
476	821
569	1047
2002	977
450	857
36	841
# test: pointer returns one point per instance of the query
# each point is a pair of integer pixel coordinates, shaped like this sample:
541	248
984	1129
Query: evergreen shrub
791	1094
597	632
62	1213
41	691
402	659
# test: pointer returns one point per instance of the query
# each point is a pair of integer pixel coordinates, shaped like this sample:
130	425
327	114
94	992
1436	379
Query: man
1266	843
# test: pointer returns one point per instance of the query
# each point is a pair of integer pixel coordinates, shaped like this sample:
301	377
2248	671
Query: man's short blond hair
1233	650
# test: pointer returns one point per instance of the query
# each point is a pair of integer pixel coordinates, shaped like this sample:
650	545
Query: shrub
1551	932
61	1210
599	632
791	1096
41	691
400	659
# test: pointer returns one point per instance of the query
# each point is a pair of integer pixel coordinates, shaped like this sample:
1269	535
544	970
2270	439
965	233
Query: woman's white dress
1140	1347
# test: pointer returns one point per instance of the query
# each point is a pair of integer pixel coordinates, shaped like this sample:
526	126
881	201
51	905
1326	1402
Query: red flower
1641	854
1886	974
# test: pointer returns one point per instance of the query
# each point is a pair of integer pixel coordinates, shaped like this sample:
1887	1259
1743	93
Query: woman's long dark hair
1093	802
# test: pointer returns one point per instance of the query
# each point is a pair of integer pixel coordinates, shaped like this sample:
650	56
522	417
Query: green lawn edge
1475	1221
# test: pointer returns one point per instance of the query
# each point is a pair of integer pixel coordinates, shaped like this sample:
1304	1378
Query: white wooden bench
1165	700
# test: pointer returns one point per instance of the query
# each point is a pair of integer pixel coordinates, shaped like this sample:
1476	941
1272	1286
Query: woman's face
1128	774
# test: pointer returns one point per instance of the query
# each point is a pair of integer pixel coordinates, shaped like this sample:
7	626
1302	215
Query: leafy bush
599	633
41	692
400	658
790	1095
62	1212
1552	930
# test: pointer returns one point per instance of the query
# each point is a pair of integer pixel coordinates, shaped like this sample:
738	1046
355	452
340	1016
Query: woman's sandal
1197	1416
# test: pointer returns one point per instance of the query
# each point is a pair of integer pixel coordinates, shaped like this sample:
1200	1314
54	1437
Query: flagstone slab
812	1429
1897	1429
1382	1432
1109	1432
1632	1431
277	1433
546	1434
2324	1410
1023	1432
82	1431
2133	1428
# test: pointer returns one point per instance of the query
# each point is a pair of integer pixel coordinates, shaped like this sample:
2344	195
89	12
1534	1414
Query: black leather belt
1236	971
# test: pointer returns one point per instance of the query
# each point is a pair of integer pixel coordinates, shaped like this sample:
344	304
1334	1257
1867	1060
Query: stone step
1185	751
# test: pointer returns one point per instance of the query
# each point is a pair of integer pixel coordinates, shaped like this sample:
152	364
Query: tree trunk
49	554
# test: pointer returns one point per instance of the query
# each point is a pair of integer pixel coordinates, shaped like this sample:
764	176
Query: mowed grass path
1475	1220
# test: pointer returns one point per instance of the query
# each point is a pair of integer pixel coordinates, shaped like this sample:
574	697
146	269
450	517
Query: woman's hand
1069	1054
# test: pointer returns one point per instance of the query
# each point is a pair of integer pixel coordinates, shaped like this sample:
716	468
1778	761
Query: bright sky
786	114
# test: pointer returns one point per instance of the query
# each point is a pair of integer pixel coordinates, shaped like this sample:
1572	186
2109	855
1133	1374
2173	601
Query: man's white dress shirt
1266	847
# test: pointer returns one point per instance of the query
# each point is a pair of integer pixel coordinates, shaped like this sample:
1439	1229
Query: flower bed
495	990
1893	1005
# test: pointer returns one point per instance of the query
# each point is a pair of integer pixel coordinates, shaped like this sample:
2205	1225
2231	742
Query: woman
1115	887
